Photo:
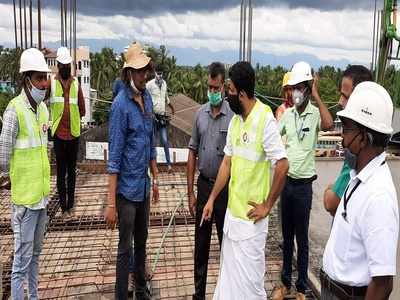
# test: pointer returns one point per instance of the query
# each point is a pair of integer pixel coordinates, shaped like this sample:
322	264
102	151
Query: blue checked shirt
131	144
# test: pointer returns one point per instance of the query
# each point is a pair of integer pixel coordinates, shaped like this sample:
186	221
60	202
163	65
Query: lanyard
346	199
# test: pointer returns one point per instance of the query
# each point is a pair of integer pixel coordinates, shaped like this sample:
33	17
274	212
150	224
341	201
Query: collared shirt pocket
344	231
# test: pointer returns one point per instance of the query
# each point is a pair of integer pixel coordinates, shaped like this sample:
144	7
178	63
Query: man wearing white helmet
359	261
67	107
301	124
23	155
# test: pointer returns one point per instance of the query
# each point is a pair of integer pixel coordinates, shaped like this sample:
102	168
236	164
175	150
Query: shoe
144	295
279	292
300	296
170	169
65	216
131	284
71	213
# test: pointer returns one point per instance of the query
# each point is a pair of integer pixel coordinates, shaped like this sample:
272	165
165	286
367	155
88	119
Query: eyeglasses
349	129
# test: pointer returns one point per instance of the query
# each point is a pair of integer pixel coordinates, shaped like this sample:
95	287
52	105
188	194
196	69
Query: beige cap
135	57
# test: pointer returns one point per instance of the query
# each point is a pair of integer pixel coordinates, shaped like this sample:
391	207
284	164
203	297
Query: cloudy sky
330	30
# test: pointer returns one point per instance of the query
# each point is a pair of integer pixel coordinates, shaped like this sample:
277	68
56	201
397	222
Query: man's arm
81	102
260	211
110	212
331	201
154	174
379	288
8	138
326	117
190	170
224	173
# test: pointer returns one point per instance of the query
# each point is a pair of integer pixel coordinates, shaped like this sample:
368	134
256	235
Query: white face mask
37	94
298	98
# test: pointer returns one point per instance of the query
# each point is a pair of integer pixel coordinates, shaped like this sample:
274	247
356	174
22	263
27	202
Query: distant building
82	68
6	86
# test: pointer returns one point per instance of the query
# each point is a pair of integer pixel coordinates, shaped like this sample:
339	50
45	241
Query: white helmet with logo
371	106
33	60
63	56
300	72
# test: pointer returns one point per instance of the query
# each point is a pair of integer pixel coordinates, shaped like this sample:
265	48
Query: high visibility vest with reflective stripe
250	172
57	106
29	165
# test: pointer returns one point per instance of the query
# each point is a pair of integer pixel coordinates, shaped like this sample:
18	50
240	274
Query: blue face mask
37	94
214	98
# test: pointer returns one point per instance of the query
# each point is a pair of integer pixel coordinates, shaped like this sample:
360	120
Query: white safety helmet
371	106
33	60
63	56
300	72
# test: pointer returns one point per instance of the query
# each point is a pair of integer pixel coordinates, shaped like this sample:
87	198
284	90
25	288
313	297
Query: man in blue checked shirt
131	153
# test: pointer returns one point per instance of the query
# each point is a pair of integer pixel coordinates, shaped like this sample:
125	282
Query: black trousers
133	218
296	200
203	233
66	155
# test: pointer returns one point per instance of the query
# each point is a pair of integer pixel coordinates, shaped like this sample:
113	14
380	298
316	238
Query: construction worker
23	155
253	144
157	88
352	76
287	96
301	124
131	154
67	107
359	260
207	143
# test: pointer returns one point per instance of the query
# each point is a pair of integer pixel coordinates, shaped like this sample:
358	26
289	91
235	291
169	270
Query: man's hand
314	90
192	204
258	212
110	216
156	194
207	211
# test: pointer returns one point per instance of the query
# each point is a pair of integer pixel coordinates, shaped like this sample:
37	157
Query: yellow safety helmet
285	80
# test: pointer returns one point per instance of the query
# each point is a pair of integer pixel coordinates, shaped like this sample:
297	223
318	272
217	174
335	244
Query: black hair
243	77
159	68
215	69
375	139
358	74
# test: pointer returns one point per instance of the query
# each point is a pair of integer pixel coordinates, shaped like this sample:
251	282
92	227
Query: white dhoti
242	261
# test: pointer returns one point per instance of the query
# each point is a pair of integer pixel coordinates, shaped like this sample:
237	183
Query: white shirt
365	245
159	96
238	229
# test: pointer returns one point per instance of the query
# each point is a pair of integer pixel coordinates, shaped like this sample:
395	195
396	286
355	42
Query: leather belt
299	181
342	291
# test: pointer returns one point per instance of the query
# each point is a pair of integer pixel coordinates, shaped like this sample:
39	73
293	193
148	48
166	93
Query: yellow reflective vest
29	164
250	171
57	106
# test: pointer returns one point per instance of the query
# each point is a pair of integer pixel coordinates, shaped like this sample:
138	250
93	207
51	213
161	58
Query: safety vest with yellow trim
250	172
29	164
57	106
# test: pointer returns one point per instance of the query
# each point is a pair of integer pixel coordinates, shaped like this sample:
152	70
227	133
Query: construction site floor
79	256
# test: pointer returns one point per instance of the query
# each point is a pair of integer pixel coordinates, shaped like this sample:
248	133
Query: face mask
37	94
234	104
350	159
298	97
214	98
65	73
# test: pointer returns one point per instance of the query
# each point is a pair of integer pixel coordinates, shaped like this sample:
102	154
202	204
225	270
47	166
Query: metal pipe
244	30
65	22
75	36
62	21
70	26
25	31
250	33
15	25
30	22
241	31
20	24
373	41
39	26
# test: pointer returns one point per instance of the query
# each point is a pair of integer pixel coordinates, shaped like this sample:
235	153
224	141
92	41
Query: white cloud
328	35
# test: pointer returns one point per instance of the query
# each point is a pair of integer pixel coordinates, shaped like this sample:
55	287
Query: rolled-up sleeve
8	138
272	141
195	138
117	136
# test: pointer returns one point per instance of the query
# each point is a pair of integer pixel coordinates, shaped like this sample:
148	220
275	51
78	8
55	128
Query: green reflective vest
250	172
57	106
29	164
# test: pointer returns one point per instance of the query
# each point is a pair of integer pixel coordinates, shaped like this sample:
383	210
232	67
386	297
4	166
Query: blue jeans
163	130
296	199
29	227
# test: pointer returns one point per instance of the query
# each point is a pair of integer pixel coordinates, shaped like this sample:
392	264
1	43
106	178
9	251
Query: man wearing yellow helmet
287	96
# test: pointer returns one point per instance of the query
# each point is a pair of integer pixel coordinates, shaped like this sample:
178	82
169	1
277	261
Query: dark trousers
203	233
66	155
133	218
296	199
